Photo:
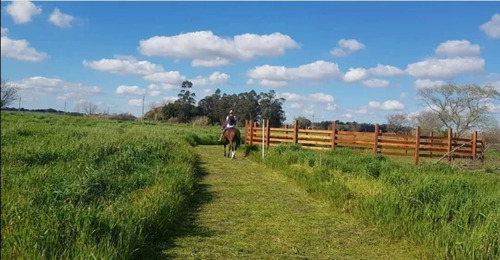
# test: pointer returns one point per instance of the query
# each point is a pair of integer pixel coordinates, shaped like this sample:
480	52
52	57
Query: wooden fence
415	145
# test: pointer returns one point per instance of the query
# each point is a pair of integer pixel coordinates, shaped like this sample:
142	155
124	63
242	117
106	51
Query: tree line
215	108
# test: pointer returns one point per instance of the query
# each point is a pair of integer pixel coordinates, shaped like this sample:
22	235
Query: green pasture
75	187
453	212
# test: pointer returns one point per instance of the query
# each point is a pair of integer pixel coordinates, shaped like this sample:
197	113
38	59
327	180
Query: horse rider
228	124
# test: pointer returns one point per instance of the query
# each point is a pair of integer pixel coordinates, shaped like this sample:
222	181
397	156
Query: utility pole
64	107
143	108
19	109
312	124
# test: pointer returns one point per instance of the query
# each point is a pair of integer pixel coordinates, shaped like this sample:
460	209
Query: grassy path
243	210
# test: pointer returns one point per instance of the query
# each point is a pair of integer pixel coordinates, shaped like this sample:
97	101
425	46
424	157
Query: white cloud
135	102
22	11
19	49
124	66
496	85
346	115
279	76
376	83
314	97
385	70
208	50
60	19
213	79
346	47
320	97
331	107
62	89
427	83
296	105
458	48
5	31
355	75
386	105
492	27
167	100
154	93
361	111
403	95
132	90
445	68
169	77
216	62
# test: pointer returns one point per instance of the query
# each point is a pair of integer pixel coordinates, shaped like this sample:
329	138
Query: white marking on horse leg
233	153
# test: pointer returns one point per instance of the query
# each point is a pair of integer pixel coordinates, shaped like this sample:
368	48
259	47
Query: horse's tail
238	138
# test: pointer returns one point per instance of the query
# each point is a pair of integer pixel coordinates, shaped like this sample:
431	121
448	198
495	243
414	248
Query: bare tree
89	107
398	123
460	107
9	93
429	122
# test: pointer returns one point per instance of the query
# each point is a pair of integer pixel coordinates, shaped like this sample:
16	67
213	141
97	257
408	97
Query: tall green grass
455	213
89	188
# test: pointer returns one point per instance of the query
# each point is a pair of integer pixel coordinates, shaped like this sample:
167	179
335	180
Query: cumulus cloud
492	27
314	97
275	76
124	65
296	105
427	83
386	105
19	49
355	75
213	79
154	93
376	83
59	19
346	115
168	77
331	107
61	88
22	11
385	70
132	90
168	100
346	47
445	68
458	48
135	102
209	50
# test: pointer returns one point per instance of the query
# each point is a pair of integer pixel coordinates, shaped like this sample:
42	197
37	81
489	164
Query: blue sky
351	61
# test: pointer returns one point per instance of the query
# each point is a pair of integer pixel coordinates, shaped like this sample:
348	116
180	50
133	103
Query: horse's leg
224	149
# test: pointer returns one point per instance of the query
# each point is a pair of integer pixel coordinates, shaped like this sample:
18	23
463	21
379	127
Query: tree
303	122
89	107
398	123
460	107
271	108
429	122
9	93
185	95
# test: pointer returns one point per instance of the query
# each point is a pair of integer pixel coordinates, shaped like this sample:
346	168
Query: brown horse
231	137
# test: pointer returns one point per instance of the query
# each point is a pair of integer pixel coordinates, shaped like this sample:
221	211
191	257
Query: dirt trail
244	210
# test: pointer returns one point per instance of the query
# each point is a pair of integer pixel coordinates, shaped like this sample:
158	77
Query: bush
123	117
200	121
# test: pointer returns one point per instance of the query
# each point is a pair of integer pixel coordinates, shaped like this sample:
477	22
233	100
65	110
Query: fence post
268	133
334	129
431	134
250	141
375	144
295	132
450	144
246	131
474	145
417	145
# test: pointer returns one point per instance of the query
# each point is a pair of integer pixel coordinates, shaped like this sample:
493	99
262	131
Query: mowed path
246	211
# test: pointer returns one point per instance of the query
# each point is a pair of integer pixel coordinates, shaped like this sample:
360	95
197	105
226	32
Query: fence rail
415	145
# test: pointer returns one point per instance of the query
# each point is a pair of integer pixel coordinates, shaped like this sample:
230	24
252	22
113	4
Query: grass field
74	187
453	212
